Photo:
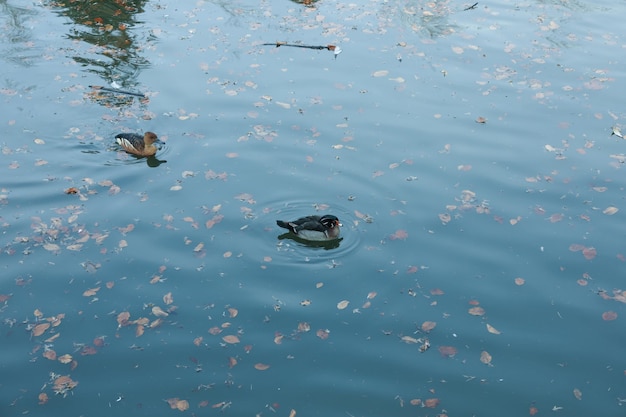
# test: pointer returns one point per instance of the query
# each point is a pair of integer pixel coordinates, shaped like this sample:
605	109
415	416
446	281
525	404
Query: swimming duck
138	145
314	227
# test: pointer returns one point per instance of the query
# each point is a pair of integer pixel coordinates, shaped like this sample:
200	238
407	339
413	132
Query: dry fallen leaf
261	366
578	394
39	329
492	329
91	292
485	357
158	311
427	326
168	298
342	304
230	339
476	311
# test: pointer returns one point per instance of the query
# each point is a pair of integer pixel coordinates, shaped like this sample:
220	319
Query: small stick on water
296	45
472	7
333	48
116	90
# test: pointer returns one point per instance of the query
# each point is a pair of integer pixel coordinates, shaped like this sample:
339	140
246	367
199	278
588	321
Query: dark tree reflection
109	27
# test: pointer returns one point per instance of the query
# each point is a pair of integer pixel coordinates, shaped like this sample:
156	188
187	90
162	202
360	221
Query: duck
316	228
137	144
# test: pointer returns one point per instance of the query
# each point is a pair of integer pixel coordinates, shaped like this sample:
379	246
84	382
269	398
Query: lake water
468	152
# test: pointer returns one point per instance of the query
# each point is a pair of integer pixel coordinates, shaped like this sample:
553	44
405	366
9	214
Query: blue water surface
468	152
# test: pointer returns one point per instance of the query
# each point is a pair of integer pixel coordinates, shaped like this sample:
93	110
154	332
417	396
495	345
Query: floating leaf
178	404
52	247
485	357
122	318
230	339
589	253
609	211
476	311
323	333
91	292
447	351
39	329
409	339
380	73
575	247
158	311
261	366
431	402
492	329
168	298
232	362
342	304
578	394
50	354
609	315
427	326
399	234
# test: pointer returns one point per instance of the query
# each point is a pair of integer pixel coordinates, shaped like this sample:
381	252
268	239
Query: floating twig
333	48
117	90
472	7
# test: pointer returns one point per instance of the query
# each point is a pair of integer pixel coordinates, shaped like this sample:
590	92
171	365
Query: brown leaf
39	329
476	311
158	311
447	351
261	366
342	304
230	339
91	292
485	357
431	402
50	354
589	253
399	234
609	315
427	326
65	359
323	334
168	299
122	318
